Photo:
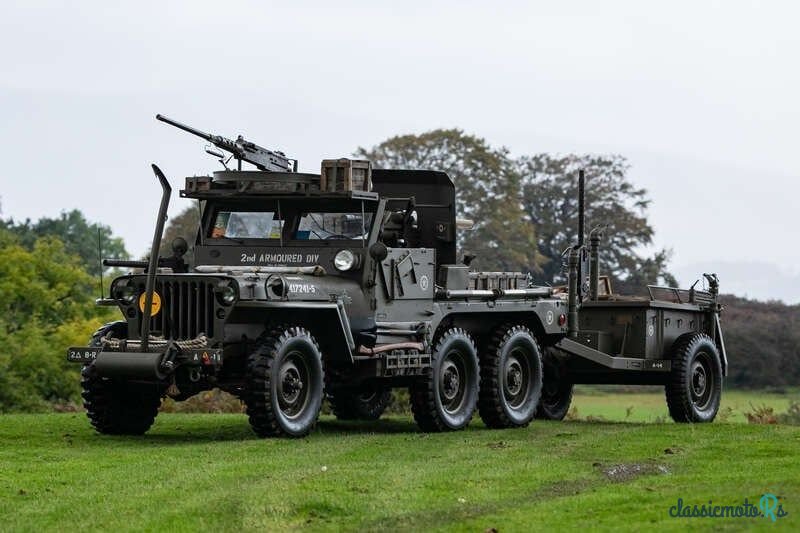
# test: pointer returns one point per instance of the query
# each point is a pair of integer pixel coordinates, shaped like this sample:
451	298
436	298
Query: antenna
581	207
100	257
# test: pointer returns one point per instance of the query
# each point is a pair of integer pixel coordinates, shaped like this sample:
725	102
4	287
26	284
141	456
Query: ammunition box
338	175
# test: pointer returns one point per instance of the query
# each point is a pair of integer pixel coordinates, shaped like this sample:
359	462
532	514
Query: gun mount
241	149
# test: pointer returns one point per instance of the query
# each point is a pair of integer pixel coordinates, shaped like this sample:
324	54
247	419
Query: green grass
208	472
647	404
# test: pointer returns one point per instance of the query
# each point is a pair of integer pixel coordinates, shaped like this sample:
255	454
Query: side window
246	225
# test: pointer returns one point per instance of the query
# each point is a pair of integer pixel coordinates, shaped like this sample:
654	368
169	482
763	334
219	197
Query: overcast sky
701	97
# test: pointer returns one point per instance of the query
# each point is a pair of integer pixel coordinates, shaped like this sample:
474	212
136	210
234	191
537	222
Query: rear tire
694	389
117	407
284	384
511	378
446	397
363	403
556	390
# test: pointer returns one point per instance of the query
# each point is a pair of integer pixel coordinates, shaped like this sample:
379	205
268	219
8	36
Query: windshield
315	226
246	225
292	220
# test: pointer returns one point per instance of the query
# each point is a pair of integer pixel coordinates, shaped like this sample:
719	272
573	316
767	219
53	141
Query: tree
487	192
550	197
46	304
516	201
78	236
184	225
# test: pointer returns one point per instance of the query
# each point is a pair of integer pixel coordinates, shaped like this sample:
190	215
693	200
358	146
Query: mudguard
326	320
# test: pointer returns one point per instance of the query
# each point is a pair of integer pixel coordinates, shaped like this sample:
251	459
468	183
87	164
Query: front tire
284	387
511	378
445	399
116	407
694	390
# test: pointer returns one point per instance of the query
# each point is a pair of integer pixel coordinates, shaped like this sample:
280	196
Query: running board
617	363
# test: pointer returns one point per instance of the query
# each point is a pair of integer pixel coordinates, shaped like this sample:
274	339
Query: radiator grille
187	309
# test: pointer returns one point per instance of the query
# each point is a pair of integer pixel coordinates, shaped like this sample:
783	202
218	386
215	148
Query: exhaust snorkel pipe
595	236
574	261
152	266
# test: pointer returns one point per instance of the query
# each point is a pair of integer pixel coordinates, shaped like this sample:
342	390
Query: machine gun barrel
184	127
242	149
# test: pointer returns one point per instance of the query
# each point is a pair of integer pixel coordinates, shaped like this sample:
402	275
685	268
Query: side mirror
179	246
378	251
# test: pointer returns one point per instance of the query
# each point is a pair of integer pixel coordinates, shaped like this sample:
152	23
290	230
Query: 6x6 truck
346	284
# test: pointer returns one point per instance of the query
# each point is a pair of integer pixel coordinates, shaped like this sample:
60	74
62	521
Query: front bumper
155	365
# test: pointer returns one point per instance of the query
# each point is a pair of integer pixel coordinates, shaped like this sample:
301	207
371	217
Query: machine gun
242	150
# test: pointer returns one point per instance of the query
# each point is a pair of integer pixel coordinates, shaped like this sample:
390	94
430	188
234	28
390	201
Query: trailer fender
721	345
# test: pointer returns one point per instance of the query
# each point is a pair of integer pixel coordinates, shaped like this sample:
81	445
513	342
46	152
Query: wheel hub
514	378
451	381
698	380
517	378
702	381
292	386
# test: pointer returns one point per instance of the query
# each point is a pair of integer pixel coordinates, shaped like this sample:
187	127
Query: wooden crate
339	175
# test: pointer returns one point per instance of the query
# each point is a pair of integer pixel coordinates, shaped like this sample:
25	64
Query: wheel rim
293	385
452	382
516	378
702	381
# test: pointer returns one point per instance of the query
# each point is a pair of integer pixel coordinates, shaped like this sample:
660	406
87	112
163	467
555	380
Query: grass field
209	472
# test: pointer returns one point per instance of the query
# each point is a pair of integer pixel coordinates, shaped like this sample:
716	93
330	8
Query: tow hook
168	362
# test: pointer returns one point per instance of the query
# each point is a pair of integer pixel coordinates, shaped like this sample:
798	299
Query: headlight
125	293
227	293
276	286
344	260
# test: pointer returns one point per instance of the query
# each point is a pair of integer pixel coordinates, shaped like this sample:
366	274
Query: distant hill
763	342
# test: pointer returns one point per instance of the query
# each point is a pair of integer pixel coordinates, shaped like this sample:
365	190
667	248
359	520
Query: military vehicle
346	284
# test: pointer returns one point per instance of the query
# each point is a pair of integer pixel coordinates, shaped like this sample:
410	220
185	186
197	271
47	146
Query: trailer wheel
556	390
117	407
364	403
284	384
511	378
695	386
445	398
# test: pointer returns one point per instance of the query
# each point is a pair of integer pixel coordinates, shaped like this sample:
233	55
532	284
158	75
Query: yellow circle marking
155	306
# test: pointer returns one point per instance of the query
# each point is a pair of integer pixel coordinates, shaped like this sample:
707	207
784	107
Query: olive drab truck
343	285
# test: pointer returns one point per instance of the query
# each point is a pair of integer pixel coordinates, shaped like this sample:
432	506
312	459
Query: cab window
330	226
246	225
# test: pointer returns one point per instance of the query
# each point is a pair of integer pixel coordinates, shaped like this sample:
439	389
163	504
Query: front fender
327	321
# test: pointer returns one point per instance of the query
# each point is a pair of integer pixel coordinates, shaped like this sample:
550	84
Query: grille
187	309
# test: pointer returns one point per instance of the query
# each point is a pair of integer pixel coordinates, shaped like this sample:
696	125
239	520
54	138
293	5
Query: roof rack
227	183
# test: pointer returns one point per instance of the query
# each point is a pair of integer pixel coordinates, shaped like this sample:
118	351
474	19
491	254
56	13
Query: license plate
82	354
658	365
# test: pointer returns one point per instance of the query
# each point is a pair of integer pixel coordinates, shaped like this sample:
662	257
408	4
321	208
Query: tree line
525	211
